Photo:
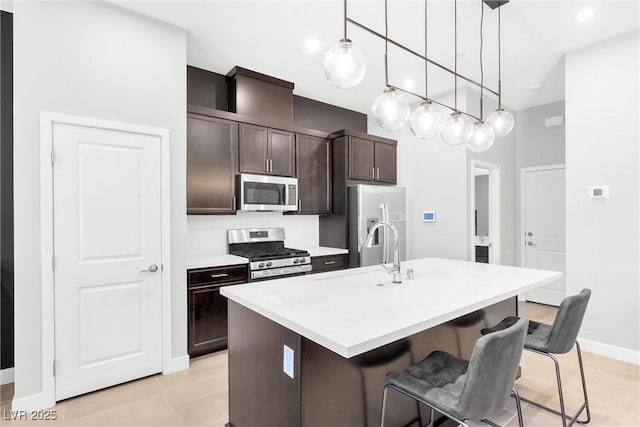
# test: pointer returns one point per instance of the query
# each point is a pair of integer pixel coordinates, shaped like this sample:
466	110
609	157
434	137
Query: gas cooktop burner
267	254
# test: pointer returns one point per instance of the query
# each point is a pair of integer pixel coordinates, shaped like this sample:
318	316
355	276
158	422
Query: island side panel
343	392
260	392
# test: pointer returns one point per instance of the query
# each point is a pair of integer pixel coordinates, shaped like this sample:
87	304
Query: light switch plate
287	361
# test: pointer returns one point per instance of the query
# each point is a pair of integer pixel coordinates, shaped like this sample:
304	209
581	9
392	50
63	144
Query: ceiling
270	36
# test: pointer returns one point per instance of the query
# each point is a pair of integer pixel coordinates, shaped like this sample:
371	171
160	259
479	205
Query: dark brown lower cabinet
207	323
321	264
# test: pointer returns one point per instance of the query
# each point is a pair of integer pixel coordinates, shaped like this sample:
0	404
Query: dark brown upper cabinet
266	151
314	175
212	145
371	158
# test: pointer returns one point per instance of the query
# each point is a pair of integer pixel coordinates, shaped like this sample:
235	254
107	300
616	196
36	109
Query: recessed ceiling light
585	15
408	84
536	87
312	45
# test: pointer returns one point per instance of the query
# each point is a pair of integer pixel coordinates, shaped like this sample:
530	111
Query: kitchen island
314	350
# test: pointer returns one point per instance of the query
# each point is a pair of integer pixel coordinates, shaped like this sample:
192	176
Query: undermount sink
357	278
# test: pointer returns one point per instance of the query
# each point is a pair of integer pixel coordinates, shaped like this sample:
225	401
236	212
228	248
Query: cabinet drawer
216	275
329	263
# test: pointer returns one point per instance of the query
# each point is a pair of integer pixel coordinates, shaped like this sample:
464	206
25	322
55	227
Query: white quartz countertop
215	261
346	312
325	251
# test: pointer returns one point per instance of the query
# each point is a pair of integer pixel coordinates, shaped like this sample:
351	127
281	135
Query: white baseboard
32	403
6	376
178	364
611	351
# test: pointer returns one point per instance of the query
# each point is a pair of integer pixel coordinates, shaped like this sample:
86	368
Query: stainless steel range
268	257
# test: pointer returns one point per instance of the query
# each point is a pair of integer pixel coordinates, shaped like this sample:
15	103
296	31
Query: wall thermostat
429	216
599	192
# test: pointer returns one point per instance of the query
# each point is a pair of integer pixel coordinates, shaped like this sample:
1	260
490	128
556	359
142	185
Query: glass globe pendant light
390	110
500	120
428	119
457	129
483	135
482	138
344	64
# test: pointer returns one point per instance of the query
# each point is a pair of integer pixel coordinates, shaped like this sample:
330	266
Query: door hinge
54	367
53	262
53	156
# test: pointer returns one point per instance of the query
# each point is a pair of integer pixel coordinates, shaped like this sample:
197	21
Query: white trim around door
493	170
47	122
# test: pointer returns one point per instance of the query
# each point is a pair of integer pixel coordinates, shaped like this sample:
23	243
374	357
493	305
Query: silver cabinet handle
299	204
266	165
152	269
233	203
373	173
217	276
378	174
329	262
530	243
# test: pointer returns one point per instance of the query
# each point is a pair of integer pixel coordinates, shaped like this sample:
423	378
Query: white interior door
544	230
107	229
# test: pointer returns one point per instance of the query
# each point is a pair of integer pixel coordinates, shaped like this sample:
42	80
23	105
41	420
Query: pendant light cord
426	63
455	60
345	19
481	65
499	62
386	44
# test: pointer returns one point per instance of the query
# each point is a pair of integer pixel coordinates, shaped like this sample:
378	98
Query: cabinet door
314	176
207	320
254	150
212	145
361	155
385	162
282	153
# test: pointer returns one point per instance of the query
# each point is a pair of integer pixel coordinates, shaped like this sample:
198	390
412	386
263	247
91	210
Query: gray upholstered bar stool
465	390
558	338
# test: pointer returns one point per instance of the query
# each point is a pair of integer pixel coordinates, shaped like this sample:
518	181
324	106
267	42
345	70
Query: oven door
267	193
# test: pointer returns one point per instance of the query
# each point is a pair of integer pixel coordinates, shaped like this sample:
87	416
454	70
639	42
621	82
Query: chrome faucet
395	270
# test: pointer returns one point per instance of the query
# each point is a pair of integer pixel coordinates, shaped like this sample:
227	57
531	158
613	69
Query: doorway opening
484	241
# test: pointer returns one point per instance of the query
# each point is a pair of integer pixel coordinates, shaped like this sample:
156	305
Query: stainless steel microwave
266	193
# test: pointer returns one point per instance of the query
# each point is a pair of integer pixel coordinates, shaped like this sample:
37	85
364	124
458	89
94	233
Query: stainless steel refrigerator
367	205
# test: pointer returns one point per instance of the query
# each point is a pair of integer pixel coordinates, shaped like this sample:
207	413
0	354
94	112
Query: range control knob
269	264
261	265
295	261
302	260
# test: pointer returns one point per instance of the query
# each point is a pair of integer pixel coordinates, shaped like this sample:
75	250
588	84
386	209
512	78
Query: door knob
529	234
152	269
530	243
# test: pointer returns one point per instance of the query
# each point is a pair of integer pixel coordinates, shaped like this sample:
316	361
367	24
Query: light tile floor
198	396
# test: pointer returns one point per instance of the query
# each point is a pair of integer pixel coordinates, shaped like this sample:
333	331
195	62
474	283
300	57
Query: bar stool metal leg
585	405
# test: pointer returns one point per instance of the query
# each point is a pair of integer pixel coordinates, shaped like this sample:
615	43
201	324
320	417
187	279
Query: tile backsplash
207	235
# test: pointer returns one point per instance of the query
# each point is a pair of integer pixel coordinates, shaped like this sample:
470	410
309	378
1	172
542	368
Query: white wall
207	235
95	60
603	248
